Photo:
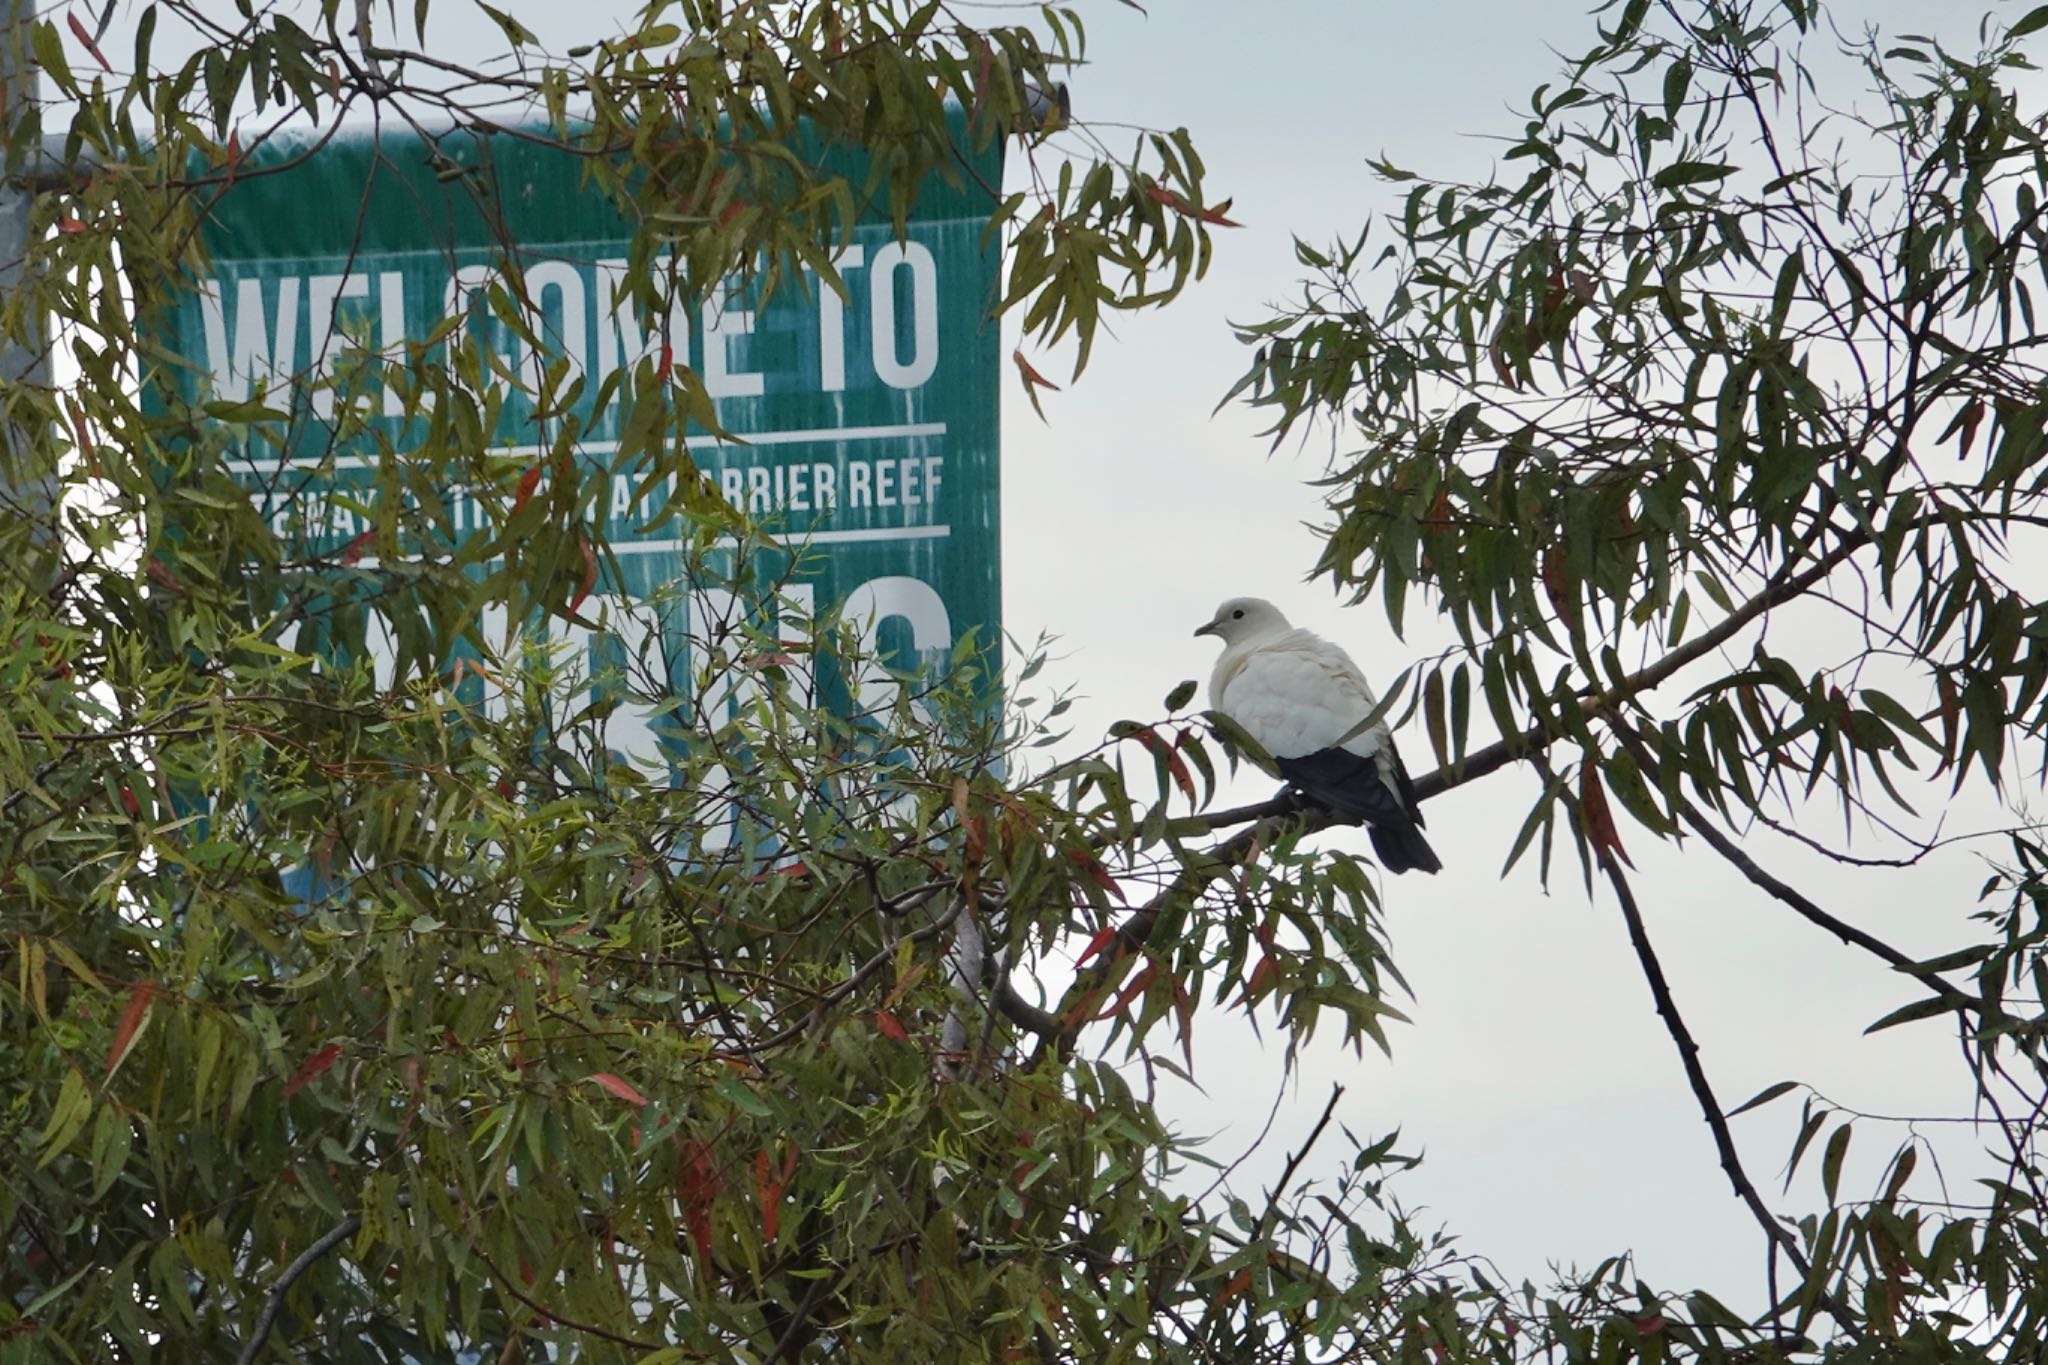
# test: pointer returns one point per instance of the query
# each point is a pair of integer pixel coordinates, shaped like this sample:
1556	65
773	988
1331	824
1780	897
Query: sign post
27	483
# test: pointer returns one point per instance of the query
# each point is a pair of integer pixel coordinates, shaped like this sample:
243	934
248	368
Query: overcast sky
1535	1077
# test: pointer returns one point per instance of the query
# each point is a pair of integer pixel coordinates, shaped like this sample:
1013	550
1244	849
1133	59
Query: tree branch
1719	841
1703	1092
793	1335
1505	751
274	1300
506	1283
1131	935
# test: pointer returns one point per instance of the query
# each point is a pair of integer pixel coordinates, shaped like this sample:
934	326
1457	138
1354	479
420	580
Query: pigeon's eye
1237	615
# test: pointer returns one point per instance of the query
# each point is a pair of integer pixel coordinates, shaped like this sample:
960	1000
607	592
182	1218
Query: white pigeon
1300	697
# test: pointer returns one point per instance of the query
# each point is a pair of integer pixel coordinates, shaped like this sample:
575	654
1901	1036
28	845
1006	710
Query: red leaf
130	804
1498	353
70	227
314	1067
1213	215
86	445
667	366
1239	1282
1261	978
353	551
528	481
1951	709
1137	987
78	30
1170	198
795	871
1972	417
234	148
1032	376
1555	584
618	1087
161	575
697	1184
769	1180
1599	818
589	572
1097	873
131	1023
1175	765
1184	1011
1104	936
1082	1011
886	1025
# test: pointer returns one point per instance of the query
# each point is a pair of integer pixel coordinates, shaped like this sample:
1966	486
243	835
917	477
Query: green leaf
1811	1122
1380	709
67	1116
2033	21
1831	1161
1238	740
1898	717
112	1135
1931	1008
49	53
1949	962
1181	695
1433	717
1763	1097
1677	79
516	33
54	1293
1682	173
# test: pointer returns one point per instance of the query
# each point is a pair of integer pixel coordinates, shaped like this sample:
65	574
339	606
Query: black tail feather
1403	849
1352	787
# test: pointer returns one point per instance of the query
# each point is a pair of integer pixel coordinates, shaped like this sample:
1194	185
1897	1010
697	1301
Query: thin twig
793	1333
506	1283
1725	846
1294	1161
1136	928
1703	1092
274	1301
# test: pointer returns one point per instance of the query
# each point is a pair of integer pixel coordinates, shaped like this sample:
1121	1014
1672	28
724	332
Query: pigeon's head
1245	618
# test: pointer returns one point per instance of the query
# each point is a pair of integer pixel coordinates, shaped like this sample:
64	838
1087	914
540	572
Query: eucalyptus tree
1712	423
363	999
360	1012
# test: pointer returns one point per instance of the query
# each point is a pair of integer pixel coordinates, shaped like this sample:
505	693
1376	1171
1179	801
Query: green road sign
864	427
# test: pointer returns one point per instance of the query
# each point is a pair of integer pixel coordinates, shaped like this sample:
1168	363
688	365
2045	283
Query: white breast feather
1297	695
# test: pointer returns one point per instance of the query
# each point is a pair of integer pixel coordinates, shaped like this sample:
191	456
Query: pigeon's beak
1209	629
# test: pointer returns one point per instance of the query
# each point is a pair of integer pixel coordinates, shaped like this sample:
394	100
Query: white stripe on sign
810	436
656	547
871	533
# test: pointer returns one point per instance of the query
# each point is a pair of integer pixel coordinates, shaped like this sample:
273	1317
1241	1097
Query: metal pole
27	483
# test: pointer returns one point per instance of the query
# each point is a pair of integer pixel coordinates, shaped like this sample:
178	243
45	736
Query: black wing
1352	787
